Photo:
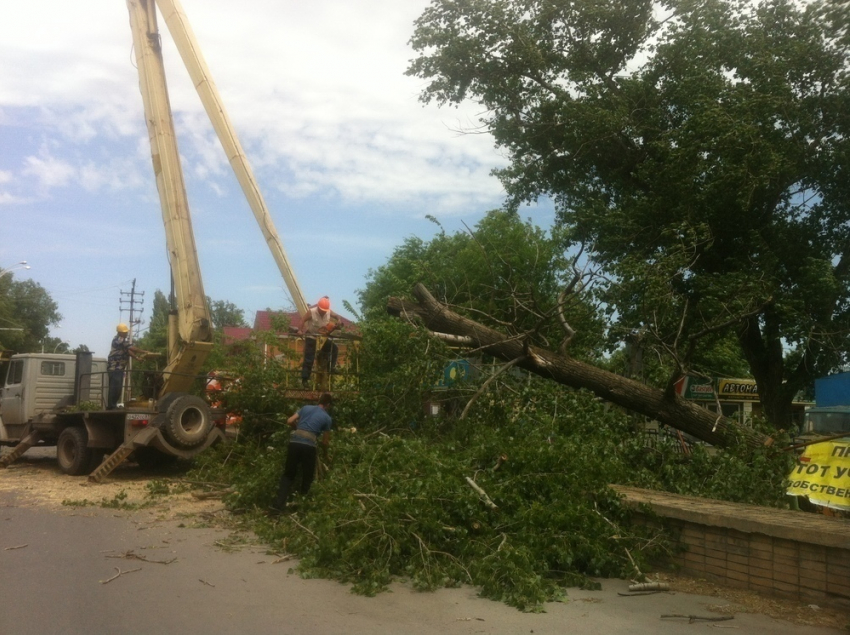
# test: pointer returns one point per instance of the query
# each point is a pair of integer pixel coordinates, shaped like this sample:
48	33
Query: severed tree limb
304	528
213	494
489	381
500	460
204	483
673	411
618	532
481	493
650	586
453	339
693	618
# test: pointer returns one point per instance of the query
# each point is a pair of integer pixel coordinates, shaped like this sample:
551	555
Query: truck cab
39	385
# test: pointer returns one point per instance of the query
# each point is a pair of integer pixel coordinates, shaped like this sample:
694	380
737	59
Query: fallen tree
666	408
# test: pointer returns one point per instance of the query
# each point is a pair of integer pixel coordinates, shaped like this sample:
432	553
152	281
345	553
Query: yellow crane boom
193	59
190	330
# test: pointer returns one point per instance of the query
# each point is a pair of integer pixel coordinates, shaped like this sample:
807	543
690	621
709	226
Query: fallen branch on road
694	618
130	555
215	494
119	574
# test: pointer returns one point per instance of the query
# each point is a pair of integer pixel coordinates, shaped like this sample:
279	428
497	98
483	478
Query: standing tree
505	268
26	313
156	338
698	151
225	313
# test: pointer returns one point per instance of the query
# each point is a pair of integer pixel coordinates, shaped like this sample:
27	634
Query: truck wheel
72	452
188	421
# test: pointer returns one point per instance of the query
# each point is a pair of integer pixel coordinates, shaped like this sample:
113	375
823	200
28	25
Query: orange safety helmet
324	304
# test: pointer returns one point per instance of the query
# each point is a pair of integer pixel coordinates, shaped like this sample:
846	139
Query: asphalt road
54	565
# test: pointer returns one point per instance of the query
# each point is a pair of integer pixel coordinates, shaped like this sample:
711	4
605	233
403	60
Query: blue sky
348	160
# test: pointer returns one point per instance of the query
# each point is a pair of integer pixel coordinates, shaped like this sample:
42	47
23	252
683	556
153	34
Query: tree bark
673	411
765	356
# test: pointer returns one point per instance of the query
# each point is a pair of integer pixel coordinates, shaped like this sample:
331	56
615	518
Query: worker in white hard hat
116	363
319	320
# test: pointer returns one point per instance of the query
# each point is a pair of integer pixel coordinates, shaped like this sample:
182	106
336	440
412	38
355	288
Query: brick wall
770	551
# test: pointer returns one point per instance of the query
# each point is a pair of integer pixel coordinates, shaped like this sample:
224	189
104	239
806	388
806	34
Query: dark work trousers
116	383
297	455
330	349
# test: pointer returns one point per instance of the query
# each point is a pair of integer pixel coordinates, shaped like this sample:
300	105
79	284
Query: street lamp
44	339
18	265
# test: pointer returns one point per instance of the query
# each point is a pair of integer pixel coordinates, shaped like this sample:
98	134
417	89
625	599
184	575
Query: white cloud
10	199
343	149
316	90
119	175
49	171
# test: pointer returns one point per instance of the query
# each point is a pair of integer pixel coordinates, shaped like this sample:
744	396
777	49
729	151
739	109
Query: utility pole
129	304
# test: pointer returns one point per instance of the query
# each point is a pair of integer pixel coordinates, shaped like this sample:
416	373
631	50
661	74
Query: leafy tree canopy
698	151
506	271
225	313
26	306
155	338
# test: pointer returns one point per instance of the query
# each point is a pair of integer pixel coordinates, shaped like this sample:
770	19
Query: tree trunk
675	412
766	359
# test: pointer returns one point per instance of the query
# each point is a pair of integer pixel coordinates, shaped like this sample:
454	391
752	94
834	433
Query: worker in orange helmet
318	320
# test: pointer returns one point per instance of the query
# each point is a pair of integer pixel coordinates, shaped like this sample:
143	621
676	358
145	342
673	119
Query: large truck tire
188	421
72	451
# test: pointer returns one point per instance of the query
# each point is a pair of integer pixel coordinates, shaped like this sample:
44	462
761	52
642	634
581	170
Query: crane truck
43	396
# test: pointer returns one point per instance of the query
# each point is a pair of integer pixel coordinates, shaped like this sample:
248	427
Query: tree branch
489	381
677	413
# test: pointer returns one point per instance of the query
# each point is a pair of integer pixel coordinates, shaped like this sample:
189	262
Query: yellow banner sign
738	389
823	474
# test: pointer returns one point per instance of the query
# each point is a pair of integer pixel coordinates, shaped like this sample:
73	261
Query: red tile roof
234	334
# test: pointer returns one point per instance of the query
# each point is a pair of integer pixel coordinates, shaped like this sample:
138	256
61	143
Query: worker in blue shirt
311	425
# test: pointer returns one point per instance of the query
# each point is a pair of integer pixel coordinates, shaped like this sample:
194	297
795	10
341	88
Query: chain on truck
42	397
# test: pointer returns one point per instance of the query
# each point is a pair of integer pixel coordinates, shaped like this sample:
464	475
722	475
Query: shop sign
695	388
738	389
700	389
